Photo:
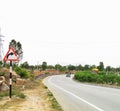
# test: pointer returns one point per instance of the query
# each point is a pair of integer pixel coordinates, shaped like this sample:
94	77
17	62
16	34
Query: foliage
15	92
25	65
101	66
58	66
17	47
71	67
53	101
86	67
18	93
44	65
79	68
2	73
22	72
101	73
87	76
108	68
0	64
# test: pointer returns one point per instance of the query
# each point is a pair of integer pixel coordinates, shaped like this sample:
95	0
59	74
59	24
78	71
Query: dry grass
38	98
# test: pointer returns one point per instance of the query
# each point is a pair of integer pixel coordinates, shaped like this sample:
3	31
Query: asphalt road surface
75	96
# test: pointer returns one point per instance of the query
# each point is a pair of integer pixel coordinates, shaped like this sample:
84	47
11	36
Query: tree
63	68
79	67
58	66
86	67
50	67
71	67
101	66
25	65
93	66
44	65
108	68
17	47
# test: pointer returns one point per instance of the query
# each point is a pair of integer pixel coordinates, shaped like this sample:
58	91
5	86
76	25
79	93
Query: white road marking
92	105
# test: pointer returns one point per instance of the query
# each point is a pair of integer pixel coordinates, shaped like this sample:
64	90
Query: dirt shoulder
38	98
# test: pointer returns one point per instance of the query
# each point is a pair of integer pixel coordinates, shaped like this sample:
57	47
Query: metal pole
10	94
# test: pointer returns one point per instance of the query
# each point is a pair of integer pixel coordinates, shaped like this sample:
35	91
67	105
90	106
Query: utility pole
1	47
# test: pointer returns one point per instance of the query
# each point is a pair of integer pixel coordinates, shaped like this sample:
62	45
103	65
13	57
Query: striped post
10	94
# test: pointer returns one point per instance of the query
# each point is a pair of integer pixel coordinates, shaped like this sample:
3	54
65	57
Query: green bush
101	73
100	79
118	80
86	76
110	78
22	72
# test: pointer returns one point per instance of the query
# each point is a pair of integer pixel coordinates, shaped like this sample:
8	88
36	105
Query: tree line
18	49
44	66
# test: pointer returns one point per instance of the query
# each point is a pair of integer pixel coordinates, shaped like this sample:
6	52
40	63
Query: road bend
75	96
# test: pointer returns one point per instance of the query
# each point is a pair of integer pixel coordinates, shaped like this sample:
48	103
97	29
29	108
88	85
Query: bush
100	79
86	76
22	72
101	73
118	80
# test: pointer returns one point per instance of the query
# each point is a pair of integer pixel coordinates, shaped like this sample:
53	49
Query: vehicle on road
68	74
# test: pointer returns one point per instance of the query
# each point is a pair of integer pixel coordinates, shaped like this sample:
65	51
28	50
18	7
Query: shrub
101	73
100	78
22	72
118	80
2	73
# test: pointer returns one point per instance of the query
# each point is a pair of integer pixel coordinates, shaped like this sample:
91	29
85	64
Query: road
75	96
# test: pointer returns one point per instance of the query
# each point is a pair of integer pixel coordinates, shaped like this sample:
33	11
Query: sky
63	31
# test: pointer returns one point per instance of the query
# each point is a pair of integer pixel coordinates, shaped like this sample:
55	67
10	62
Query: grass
51	99
14	102
18	96
15	92
54	103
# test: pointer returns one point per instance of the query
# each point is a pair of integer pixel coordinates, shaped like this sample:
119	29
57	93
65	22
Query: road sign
11	55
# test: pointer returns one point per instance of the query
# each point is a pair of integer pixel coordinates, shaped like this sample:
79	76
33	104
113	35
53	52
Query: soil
37	99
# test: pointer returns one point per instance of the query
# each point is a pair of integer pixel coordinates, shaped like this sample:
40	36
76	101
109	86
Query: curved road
75	96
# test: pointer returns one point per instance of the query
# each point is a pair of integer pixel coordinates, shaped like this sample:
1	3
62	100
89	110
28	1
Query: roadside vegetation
15	92
101	77
24	85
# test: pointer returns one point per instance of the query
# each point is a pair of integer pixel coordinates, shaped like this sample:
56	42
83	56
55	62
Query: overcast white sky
63	31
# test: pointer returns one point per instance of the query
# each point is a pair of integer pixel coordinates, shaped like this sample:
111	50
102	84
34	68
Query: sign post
11	56
10	94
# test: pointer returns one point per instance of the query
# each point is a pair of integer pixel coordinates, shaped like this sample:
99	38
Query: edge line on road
99	109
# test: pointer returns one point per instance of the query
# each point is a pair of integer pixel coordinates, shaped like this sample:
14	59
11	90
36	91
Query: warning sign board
11	55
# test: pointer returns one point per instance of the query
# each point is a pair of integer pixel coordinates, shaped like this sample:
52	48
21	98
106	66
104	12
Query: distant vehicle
68	75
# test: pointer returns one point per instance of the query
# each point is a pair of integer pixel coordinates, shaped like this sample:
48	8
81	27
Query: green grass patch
15	92
54	103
